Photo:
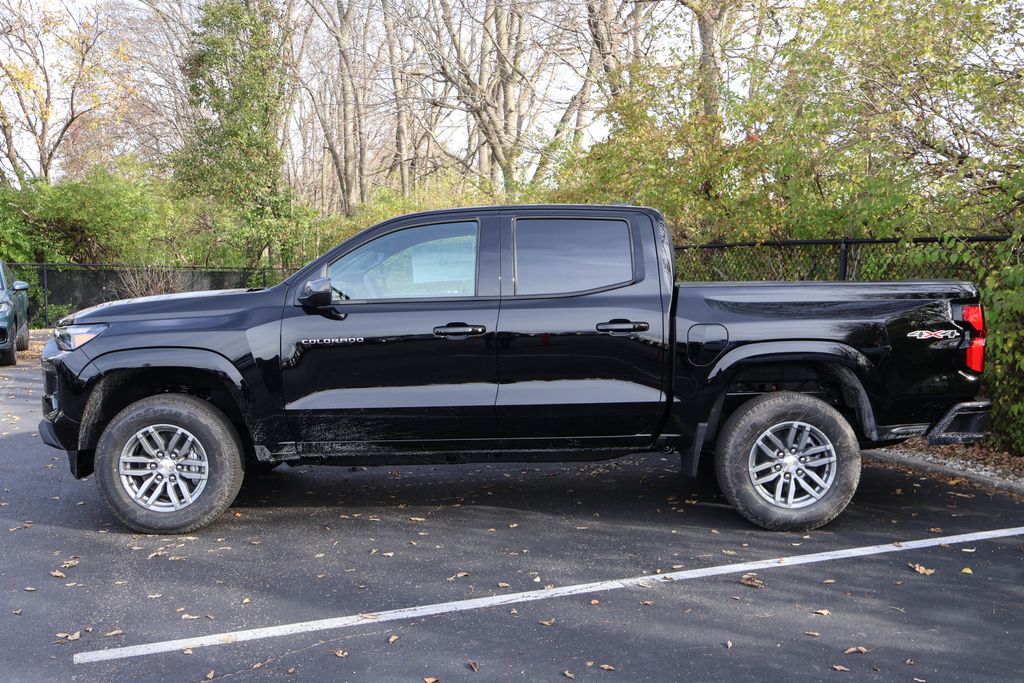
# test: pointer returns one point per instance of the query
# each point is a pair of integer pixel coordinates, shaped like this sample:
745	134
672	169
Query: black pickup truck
516	333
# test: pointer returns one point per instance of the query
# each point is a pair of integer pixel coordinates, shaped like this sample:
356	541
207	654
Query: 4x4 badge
934	334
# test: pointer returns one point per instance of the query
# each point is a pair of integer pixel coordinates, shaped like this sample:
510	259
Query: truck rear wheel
169	463
788	461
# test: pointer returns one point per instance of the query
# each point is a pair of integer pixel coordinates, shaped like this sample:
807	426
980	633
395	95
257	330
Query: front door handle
620	325
458	330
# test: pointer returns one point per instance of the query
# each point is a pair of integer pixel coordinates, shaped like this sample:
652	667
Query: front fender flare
107	366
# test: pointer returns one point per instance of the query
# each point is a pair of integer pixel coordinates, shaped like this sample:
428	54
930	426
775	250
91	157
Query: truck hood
185	304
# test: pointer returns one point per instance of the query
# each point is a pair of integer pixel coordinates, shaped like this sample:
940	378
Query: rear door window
567	255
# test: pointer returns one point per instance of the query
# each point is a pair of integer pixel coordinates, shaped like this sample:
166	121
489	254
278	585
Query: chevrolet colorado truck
13	316
516	333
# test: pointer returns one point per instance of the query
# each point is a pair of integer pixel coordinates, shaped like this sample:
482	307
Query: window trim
637	272
325	269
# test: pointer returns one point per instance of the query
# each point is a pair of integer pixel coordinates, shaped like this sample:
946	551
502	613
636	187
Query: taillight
975	317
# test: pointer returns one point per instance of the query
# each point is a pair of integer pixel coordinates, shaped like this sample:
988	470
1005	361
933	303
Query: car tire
788	461
201	469
22	342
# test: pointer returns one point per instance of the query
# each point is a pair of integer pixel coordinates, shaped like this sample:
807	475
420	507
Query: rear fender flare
847	366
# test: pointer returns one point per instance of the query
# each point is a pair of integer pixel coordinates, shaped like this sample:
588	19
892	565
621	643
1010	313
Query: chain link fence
59	289
839	259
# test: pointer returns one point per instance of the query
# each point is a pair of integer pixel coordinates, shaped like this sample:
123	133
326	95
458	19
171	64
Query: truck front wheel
788	461
169	463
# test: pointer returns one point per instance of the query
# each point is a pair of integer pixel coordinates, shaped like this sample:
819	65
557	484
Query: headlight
71	337
5	308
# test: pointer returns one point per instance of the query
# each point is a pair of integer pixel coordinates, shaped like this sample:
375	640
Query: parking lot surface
325	543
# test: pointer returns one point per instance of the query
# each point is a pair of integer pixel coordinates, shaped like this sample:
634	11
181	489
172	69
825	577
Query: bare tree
48	59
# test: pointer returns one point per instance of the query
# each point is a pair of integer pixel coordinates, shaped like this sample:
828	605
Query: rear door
581	333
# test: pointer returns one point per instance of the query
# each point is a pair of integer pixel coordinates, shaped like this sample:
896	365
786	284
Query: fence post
46	297
843	254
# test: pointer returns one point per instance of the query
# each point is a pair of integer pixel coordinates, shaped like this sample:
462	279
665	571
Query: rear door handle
620	325
458	330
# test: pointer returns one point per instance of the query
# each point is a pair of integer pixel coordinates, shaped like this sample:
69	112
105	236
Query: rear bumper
964	423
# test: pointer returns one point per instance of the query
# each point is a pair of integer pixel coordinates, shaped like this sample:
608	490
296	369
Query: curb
982	480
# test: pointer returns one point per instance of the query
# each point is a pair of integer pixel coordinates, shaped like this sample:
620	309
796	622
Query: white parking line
529	596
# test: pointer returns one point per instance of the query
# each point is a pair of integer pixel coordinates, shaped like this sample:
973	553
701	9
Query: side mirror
19	286
316	293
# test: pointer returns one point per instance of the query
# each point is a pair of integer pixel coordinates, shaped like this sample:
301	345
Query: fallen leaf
341	653
474	666
966	570
75	636
56	573
822	612
920	568
936	529
209	675
607	667
115	632
431	679
570	675
154	596
417	519
839	667
392	639
29	589
595	601
502	584
458	575
246	601
187	651
388	554
647	603
17	611
548	622
752	581
812	634
829	581
728	645
859	649
257	665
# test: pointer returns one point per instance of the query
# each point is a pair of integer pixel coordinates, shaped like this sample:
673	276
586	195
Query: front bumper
964	423
57	429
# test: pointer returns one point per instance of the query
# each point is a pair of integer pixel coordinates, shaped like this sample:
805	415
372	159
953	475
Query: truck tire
22	342
169	464
788	461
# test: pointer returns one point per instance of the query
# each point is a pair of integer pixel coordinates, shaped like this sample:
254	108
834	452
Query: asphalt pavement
83	599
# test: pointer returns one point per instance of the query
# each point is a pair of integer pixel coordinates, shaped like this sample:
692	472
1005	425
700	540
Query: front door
406	354
581	338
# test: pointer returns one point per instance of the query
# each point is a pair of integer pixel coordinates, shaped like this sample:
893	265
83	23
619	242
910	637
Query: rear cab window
571	255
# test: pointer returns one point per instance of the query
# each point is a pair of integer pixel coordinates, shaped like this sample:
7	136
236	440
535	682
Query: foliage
235	73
